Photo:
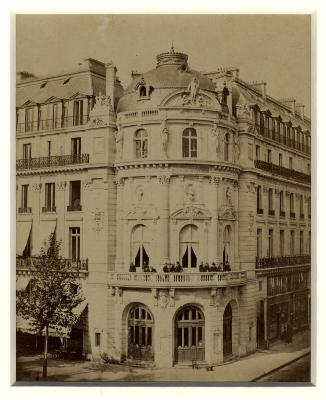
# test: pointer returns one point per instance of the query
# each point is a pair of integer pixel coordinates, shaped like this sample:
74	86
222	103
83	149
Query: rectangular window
74	245
55	122
78	112
301	243
269	156
270	243
50	197
290	162
259	243
281	243
74	196
49	148
29	120
76	146
281	202
64	117
259	200
308	169
24	198
270	201
27	151
292	243
260	286
257	152
280	160
97	339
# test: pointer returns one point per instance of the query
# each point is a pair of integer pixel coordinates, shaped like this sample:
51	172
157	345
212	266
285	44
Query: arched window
189	246
140	246
227	245
141	143
226	147
190	335
189	143
227	331
140	333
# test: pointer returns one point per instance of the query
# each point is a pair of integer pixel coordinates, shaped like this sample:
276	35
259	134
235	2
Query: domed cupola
172	73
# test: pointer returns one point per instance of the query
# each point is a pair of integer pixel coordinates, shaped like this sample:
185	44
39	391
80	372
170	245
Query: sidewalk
244	370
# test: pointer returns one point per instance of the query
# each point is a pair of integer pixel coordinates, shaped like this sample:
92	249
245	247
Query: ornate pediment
190	212
227	214
141	213
184	99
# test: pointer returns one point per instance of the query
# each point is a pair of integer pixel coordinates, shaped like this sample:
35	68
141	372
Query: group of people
214	268
177	267
145	268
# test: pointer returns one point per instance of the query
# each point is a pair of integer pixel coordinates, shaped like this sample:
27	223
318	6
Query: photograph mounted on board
163	198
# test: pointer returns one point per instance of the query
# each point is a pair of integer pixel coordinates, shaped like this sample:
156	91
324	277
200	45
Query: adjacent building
180	167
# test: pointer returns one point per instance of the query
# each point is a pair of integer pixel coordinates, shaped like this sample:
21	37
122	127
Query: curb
279	367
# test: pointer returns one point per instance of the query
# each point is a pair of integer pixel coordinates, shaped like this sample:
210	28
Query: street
299	371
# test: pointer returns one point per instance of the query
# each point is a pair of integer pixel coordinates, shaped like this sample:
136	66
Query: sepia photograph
163	199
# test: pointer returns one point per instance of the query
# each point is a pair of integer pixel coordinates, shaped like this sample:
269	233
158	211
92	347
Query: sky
272	48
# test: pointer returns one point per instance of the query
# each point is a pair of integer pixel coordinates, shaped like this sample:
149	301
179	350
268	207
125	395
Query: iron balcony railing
47	209
52	124
24	210
282	171
282	214
184	279
292	215
271	213
275	262
23	264
75	207
52	161
260	211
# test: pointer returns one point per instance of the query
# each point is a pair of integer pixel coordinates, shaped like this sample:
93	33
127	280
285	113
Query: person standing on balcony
201	267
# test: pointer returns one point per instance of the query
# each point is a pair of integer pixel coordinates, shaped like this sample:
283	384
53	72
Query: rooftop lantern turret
172	58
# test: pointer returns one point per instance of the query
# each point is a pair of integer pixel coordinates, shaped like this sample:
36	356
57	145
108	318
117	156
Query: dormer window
142	91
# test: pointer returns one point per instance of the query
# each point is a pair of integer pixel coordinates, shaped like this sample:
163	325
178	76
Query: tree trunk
45	358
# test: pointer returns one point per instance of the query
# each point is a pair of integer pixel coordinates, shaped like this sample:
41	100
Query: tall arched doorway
140	246
227	331
140	333
189	246
189	335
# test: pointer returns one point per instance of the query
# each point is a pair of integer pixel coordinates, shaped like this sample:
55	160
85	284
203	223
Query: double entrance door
189	335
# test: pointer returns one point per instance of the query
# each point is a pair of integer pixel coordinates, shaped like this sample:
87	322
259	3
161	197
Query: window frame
189	143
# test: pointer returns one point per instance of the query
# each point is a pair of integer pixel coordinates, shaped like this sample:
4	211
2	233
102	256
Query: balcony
52	124
177	280
48	209
282	214
282	171
301	216
260	211
292	215
25	210
53	161
26	265
285	261
75	207
271	213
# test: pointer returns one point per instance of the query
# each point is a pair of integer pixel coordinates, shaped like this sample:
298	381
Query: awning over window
45	229
80	308
22	282
23	230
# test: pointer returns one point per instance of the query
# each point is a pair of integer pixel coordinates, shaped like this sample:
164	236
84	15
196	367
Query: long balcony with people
174	276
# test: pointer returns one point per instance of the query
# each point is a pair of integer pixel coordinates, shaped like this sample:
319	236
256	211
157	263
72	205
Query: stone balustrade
178	280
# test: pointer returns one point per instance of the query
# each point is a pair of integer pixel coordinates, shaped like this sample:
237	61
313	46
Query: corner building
181	167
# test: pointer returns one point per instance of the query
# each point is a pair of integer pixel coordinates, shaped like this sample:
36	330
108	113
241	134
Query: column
163	238
213	238
236	226
119	262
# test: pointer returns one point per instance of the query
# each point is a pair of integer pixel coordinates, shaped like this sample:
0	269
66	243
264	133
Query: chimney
289	103
260	86
300	109
110	80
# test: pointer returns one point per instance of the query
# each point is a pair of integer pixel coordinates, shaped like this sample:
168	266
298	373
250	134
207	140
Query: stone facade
179	167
